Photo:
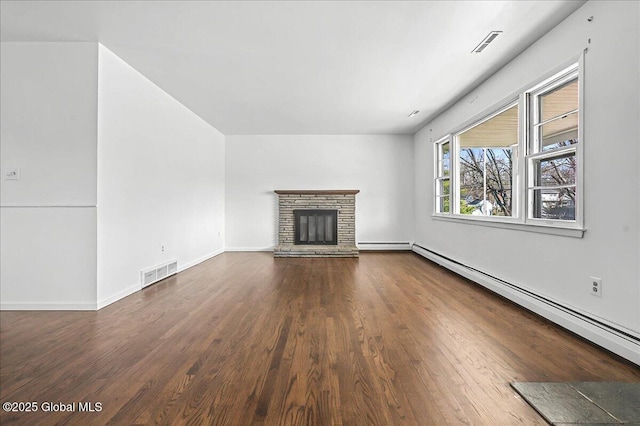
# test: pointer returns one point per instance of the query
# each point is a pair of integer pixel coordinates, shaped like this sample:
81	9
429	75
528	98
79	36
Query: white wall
48	218
48	258
381	167
553	266
49	104
160	180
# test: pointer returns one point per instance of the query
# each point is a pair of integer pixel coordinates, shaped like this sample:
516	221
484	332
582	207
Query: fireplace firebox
312	231
316	227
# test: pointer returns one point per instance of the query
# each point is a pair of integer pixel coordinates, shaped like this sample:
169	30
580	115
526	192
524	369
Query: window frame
455	185
536	153
524	157
439	176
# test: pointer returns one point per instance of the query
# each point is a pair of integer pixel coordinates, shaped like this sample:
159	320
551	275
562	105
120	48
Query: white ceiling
300	67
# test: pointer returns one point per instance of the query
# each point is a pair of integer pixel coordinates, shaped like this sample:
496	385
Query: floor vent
155	274
172	267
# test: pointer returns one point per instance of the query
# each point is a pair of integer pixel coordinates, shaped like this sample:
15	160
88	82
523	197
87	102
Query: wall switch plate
596	286
11	173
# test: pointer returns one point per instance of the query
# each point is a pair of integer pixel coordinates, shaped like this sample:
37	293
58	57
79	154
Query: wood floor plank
243	338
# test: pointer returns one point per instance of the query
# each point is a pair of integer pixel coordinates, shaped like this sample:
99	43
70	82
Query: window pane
486	165
555	123
444	187
499	131
556	171
443	204
558	204
560	132
445	150
486	176
443	168
499	202
499	178
446	158
471	180
559	144
559	101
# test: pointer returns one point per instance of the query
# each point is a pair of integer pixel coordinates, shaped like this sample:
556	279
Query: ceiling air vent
487	40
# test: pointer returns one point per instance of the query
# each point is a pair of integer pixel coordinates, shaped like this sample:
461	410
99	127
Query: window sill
564	231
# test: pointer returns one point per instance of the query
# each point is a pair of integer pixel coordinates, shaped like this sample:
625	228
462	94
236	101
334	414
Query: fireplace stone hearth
343	201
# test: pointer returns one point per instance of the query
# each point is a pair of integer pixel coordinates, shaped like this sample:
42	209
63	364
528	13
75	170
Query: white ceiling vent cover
152	275
487	40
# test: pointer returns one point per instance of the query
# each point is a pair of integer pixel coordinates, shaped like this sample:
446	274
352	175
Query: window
443	170
552	163
486	165
519	164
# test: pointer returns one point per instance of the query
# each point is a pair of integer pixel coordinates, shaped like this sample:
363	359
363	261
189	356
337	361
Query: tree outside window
486	164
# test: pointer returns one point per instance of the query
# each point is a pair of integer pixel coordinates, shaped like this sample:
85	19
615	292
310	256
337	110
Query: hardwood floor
389	338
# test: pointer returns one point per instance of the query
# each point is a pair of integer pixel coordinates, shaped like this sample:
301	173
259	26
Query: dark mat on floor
584	403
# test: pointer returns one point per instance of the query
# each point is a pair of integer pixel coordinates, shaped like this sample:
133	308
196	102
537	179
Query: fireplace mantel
316	191
292	200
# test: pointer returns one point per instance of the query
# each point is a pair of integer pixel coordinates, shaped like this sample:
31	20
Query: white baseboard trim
200	260
591	329
364	246
249	248
118	296
46	306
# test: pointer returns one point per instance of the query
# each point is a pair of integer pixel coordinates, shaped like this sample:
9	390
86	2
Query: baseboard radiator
619	341
384	246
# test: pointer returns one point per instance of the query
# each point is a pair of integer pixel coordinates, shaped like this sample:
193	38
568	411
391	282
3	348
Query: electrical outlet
596	286
161	249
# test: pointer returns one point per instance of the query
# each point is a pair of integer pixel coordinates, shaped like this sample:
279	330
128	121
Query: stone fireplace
316	223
